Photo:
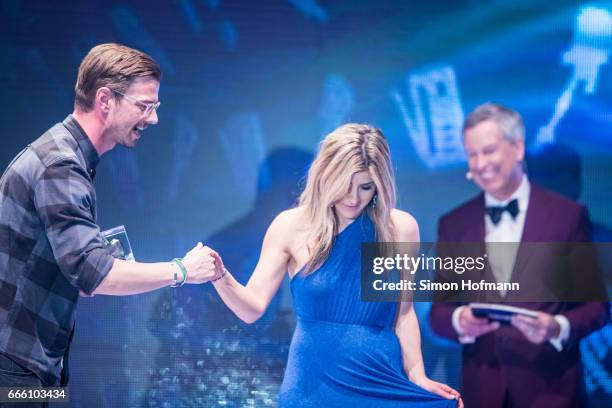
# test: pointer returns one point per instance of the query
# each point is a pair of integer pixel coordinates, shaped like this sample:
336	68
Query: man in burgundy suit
532	362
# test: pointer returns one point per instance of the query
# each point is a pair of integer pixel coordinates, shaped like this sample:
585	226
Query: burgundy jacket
504	361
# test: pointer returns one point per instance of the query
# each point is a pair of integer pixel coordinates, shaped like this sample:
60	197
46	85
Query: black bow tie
496	212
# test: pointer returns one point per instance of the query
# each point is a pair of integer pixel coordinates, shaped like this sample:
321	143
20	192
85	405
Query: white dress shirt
502	257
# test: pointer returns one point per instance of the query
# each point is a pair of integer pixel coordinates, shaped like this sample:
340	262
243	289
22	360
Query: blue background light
249	89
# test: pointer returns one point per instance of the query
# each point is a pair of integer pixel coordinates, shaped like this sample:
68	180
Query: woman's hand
440	389
219	267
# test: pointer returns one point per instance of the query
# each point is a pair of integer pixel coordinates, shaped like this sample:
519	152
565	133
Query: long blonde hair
349	149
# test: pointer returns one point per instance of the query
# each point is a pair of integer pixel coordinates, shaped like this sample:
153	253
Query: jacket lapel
477	231
533	230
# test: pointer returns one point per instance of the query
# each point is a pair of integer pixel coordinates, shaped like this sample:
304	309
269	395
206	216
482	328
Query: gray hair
510	122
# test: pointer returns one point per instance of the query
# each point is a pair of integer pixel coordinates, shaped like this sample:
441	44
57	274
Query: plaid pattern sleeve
64	199
50	247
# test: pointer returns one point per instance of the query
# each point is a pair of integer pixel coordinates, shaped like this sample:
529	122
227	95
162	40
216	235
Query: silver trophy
117	240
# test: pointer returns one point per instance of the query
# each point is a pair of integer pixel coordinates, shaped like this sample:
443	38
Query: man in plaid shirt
50	245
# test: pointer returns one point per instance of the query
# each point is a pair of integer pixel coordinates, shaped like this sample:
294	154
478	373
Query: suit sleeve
586	317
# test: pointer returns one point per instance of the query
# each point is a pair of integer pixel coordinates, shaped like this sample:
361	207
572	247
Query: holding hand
473	326
200	264
220	270
539	329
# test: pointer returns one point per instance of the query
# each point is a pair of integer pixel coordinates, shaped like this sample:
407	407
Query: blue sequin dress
344	352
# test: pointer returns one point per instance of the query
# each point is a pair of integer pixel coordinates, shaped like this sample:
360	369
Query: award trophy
117	239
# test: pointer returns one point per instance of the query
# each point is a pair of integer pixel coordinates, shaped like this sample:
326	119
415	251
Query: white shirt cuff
463	339
564	332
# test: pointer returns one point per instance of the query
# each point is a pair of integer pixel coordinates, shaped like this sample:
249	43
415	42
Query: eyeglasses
146	108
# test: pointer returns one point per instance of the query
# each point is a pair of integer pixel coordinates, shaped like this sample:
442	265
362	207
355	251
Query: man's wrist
179	276
455	320
559	341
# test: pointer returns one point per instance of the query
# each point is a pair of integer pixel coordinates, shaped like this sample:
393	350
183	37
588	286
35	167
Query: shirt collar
521	194
92	158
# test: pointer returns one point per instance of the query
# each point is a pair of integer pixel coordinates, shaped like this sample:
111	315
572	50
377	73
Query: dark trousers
13	375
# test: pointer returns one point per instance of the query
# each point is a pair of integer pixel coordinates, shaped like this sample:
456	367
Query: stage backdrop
249	88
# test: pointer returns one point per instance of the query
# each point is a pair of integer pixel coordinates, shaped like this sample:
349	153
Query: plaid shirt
50	247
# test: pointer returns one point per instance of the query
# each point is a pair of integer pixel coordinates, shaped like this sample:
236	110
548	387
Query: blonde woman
344	352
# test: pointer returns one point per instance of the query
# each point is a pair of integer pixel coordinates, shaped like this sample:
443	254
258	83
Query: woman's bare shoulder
406	226
290	221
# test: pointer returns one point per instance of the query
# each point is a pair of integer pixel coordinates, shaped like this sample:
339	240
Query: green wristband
176	283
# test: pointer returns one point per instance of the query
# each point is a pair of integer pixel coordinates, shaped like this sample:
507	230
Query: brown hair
113	66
